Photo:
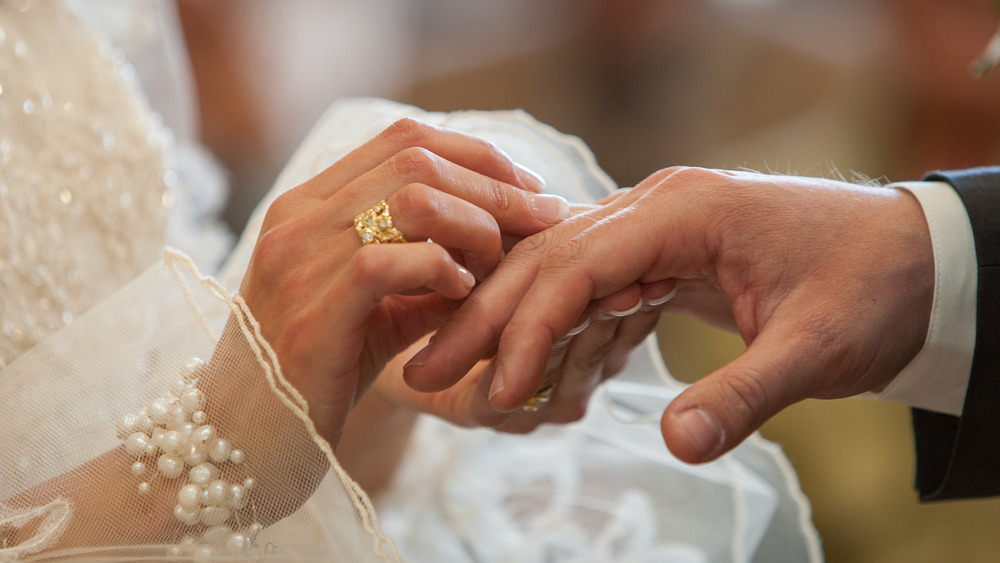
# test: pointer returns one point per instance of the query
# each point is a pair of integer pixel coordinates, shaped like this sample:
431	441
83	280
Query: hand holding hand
595	350
336	311
829	284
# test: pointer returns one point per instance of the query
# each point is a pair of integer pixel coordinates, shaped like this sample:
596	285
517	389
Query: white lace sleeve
119	444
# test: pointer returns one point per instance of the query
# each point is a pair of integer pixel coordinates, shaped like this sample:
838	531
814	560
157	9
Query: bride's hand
336	311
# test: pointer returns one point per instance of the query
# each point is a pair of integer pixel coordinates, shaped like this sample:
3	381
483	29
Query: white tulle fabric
604	489
97	329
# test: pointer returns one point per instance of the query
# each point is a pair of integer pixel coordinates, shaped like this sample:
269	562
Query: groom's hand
829	284
591	353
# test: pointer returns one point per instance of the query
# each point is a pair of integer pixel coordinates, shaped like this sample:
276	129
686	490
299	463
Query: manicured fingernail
661	300
531	179
549	208
497	385
418	359
702	431
626	312
579	328
467	277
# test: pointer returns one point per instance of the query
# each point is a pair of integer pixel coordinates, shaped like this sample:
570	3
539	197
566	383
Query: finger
581	369
375	271
572	275
633	329
421	212
476	327
658	293
554	378
637	241
622	303
718	412
456	404
516	211
465	150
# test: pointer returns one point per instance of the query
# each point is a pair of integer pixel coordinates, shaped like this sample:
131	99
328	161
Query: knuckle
281	208
500	195
407	132
750	395
416	162
495	157
416	201
434	257
489	226
537	245
676	177
662	175
567	255
368	263
272	250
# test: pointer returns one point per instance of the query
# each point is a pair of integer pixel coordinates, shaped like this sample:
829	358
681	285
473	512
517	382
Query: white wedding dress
100	325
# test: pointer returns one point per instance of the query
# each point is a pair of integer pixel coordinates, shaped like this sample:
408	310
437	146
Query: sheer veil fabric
604	489
101	330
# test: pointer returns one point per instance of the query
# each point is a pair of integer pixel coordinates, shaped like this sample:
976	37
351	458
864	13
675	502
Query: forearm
106	506
237	438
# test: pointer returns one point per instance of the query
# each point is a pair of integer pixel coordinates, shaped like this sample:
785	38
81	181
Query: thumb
721	410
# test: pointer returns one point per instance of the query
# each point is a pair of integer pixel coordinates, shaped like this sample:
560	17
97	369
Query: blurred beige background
852	88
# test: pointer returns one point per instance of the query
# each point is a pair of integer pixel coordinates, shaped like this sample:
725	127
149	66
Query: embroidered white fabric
95	330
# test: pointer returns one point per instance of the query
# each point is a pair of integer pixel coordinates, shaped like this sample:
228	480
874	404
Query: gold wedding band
543	396
375	226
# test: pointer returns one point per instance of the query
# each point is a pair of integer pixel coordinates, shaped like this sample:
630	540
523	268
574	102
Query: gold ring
375	226
543	396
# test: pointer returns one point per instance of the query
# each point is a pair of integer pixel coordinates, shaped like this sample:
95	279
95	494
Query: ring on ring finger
543	396
374	226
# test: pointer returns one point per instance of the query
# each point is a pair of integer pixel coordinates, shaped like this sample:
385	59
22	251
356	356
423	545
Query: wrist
375	439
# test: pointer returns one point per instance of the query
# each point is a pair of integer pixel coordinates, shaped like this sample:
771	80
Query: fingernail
497	385
626	312
661	300
549	208
467	278
702	431
579	328
531	179
418	359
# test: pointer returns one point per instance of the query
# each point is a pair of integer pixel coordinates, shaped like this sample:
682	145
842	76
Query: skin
829	284
459	191
334	311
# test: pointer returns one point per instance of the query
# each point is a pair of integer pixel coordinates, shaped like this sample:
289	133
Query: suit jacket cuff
960	457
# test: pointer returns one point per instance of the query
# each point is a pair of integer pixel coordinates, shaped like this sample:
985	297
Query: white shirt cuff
937	377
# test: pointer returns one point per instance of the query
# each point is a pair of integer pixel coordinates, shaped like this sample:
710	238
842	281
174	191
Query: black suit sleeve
959	457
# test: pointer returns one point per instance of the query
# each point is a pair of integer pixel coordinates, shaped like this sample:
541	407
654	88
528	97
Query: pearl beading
173	432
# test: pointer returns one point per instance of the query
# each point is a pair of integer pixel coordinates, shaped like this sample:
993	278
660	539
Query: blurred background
860	89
